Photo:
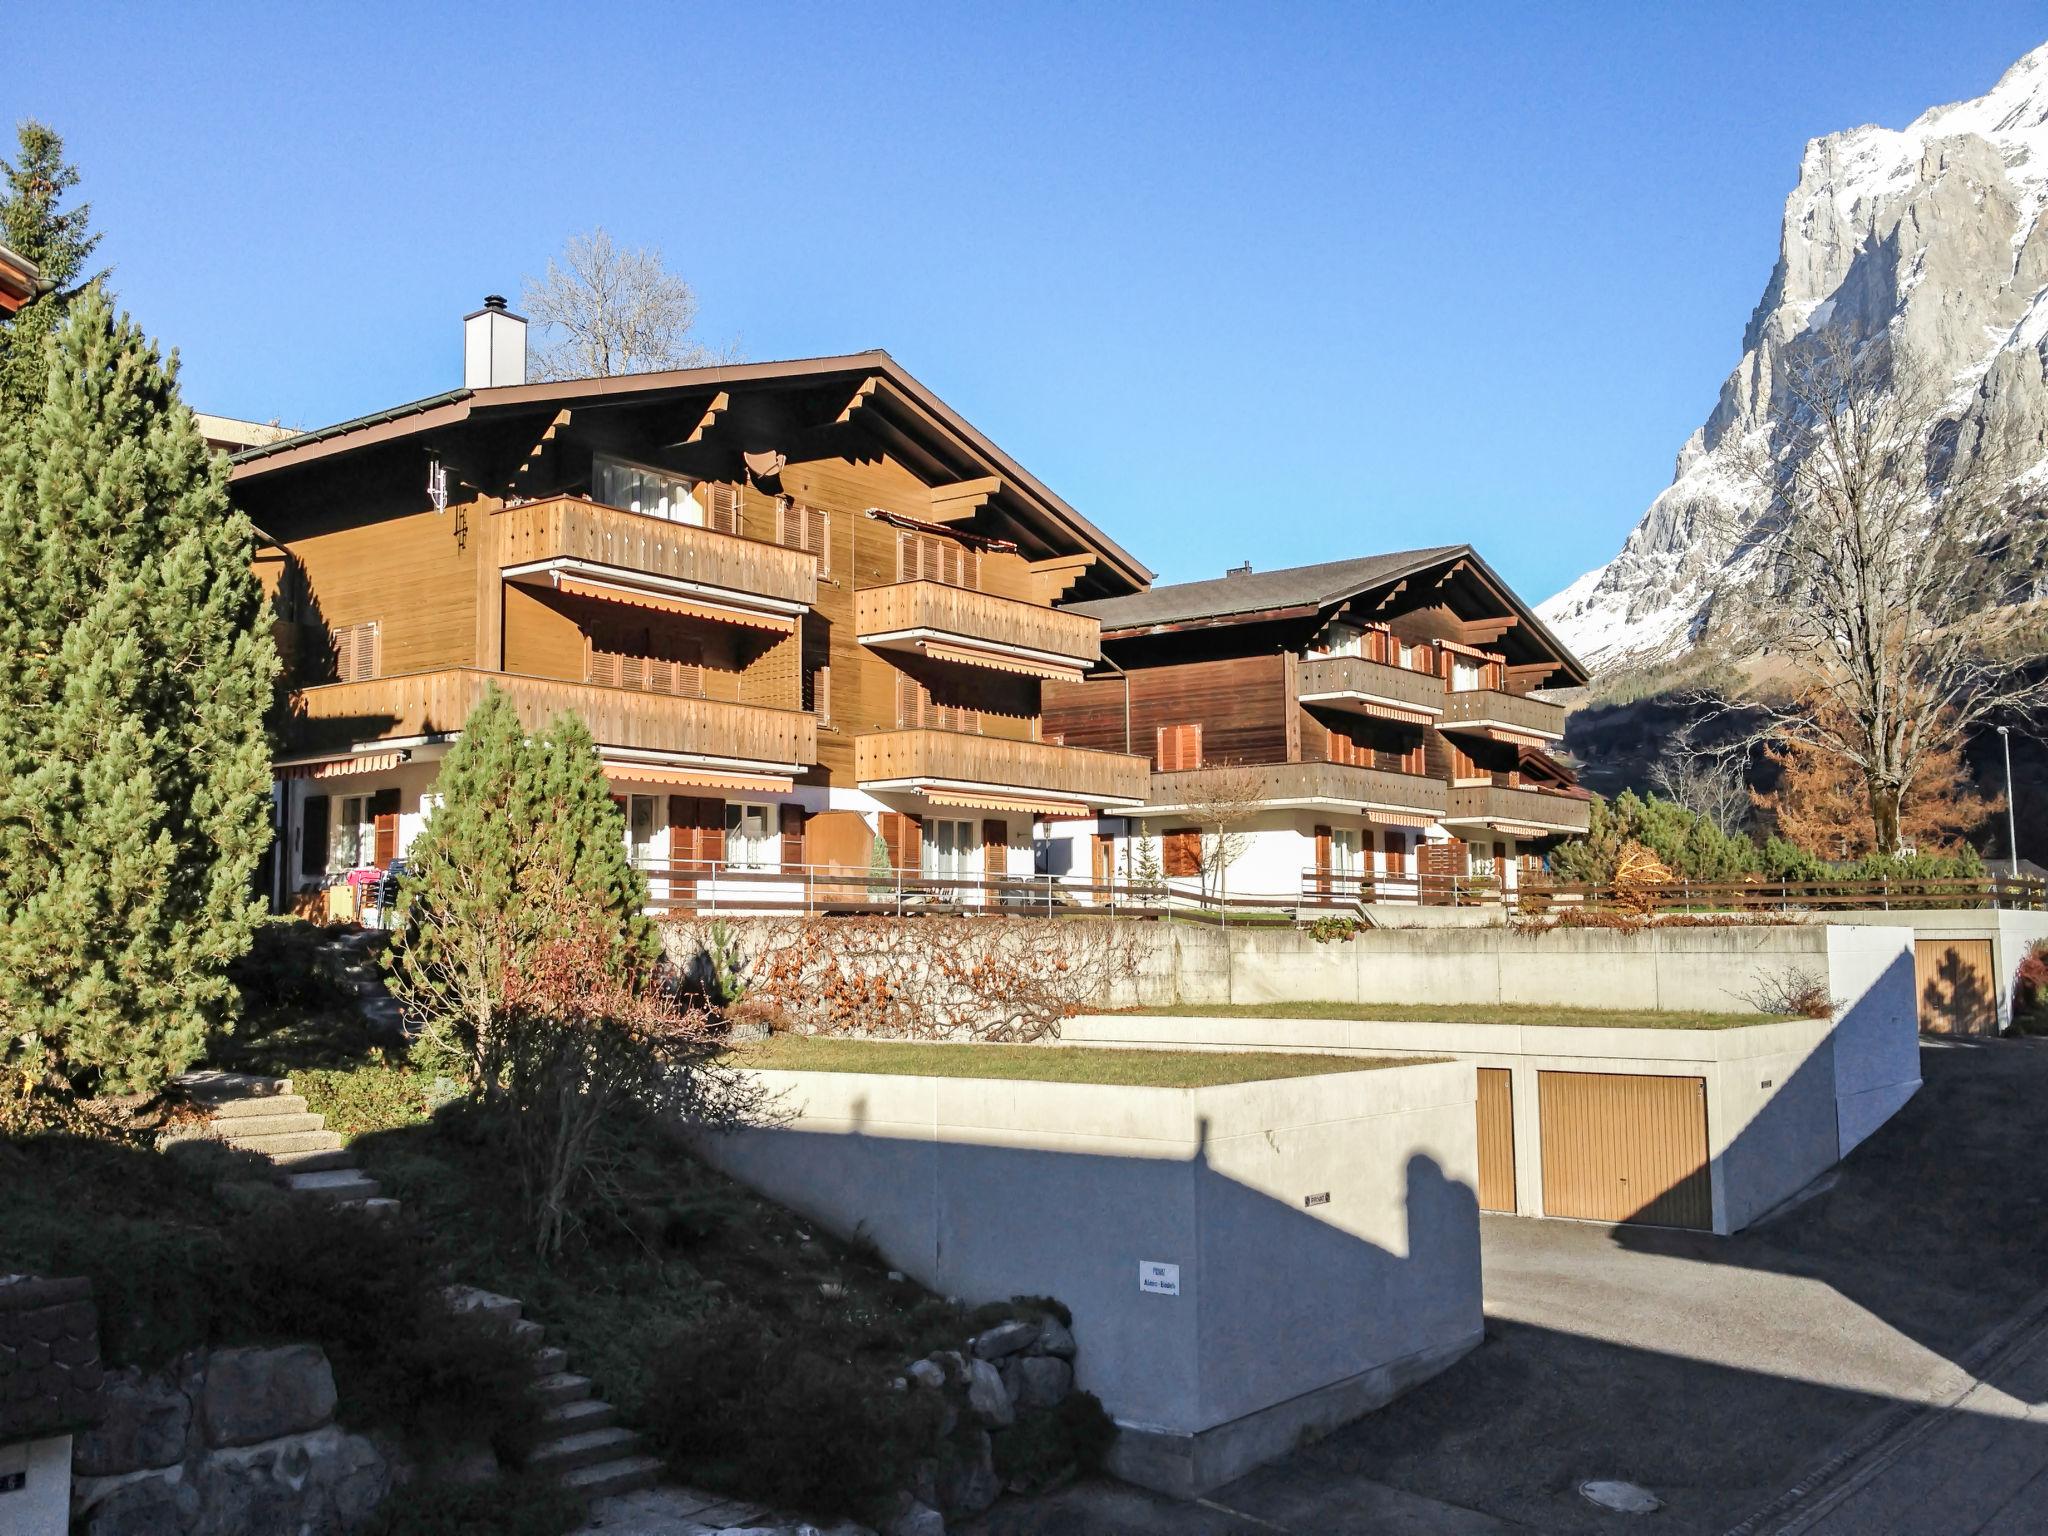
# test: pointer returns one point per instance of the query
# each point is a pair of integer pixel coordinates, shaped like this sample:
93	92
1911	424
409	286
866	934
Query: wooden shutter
1323	859
995	848
358	652
807	528
1343	748
1103	847
721	507
904	836
384	814
314	822
696	834
1179	748
1182	850
1396	853
793	819
928	557
1500	858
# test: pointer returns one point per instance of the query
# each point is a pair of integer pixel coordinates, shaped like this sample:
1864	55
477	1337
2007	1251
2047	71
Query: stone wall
223	1442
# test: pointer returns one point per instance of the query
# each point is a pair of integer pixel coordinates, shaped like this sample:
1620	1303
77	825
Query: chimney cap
494	304
1240	570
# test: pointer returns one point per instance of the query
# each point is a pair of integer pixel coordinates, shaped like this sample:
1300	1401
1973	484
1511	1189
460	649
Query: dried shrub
1791	990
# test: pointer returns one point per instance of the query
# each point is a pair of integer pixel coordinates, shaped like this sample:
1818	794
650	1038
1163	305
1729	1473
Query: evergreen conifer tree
135	671
524	845
58	240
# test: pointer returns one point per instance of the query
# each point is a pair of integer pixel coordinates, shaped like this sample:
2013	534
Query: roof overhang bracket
1054	578
958	502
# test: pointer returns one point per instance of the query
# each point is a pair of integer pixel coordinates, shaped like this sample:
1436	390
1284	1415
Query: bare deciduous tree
1893	534
1711	782
605	310
1228	798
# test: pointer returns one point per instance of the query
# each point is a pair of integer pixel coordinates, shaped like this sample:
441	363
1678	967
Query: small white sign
1156	1279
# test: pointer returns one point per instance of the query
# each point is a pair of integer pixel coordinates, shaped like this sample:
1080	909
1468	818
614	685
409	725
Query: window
681	674
952	849
818	689
1478	859
917	708
313	845
357	652
1395	859
660	493
928	557
643	826
807	528
1347	855
1341	639
1179	748
1467	675
750	834
349	834
1344	748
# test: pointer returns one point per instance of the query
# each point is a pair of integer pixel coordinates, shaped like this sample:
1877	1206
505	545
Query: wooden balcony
336	716
1341	787
918	759
959	624
1369	687
569	528
1485	710
1505	809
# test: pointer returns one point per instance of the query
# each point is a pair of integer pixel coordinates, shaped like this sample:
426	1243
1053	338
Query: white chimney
493	346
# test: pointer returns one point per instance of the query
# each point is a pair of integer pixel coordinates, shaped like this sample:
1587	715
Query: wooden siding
1529	807
428	703
993	620
1496	1111
1620	1147
1331	784
1242	704
923	755
569	527
1953	981
1355	674
411	576
1511	709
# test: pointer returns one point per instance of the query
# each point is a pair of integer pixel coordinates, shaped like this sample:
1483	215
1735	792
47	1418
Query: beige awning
1506	735
698	778
939	651
972	802
1394	712
343	767
1400	818
1516	829
717	613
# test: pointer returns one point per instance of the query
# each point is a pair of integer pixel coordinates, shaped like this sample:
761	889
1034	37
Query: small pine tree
524	849
135	670
58	240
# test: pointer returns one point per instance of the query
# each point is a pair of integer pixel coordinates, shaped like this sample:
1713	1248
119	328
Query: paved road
1716	1372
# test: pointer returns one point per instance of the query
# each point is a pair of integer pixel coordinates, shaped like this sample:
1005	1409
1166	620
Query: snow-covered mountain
1933	233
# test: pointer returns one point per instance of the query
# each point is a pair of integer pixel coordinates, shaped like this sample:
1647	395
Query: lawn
1469	1013
1046	1063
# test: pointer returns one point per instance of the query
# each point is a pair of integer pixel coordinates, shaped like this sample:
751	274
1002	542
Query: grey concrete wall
1295	1311
2011	935
1877	1026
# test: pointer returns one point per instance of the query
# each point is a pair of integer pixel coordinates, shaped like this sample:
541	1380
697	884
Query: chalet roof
1247	596
437	412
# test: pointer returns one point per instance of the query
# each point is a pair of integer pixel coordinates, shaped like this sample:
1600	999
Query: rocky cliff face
1933	234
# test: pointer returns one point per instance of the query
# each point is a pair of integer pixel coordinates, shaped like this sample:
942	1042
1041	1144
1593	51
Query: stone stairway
577	1438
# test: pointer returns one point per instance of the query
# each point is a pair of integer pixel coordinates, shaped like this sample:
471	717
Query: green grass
1046	1063
1470	1013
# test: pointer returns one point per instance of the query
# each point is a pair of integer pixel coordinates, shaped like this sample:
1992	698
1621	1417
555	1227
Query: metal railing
1326	892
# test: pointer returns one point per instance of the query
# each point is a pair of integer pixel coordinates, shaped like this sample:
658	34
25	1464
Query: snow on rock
1933	233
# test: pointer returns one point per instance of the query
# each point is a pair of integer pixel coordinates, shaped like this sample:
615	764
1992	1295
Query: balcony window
1340	640
653	492
951	849
1467	675
348	834
1347	852
643	827
749	835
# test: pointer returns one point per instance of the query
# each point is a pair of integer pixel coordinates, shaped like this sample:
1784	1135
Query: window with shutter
1345	749
681	675
721	507
917	709
357	652
313	822
1395	859
807	528
928	557
1181	852
1179	748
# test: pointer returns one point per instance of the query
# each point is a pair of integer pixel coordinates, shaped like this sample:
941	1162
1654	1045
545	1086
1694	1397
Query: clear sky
1277	283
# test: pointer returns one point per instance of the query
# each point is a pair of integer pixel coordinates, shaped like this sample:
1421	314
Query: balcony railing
976	619
1346	681
567	527
434	703
918	756
1547	809
1337	786
1484	707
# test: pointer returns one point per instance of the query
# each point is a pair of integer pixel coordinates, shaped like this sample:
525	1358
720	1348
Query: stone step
250	1127
529	1333
581	1448
549	1361
333	1184
237	1110
628	1474
559	1388
314	1162
380	1206
470	1298
224	1087
289	1141
574	1417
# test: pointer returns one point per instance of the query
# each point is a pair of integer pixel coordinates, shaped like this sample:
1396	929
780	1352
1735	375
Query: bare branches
1710	781
607	310
1228	798
1892	532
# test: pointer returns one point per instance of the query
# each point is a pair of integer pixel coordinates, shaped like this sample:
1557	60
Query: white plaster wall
1877	1025
42	1505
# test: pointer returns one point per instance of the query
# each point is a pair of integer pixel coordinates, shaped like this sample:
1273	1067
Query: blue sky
1267	283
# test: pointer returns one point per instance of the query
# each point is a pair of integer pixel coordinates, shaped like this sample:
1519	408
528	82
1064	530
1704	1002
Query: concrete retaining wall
2011	935
1324	1230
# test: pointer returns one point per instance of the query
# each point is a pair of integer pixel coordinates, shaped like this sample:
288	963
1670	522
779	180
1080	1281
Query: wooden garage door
1618	1147
1953	978
1496	1139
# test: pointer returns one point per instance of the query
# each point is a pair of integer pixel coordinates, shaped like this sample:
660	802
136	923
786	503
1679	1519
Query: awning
1517	829
968	802
717	613
1545	765
1393	712
940	651
342	767
698	778
1505	735
1400	818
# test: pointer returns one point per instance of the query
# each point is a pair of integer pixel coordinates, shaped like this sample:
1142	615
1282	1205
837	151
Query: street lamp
2012	839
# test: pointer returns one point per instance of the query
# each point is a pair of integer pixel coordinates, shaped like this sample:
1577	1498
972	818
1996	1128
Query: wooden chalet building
1379	710
799	604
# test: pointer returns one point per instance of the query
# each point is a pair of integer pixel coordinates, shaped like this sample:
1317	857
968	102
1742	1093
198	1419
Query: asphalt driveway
1716	1372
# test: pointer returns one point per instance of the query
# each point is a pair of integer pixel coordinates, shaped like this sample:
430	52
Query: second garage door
1620	1147
1954	978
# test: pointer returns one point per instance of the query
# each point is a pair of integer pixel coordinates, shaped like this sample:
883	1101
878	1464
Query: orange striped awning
1516	829
717	613
967	802
1400	818
1394	712
940	651
343	767
1507	736
698	778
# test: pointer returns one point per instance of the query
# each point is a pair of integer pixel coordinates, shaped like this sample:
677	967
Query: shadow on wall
1287	1311
1959	997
